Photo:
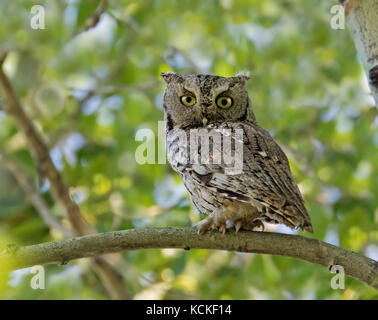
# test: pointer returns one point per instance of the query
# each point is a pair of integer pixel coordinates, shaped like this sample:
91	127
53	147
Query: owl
262	190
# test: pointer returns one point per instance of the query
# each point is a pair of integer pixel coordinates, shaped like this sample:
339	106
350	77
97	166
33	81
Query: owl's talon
238	226
222	229
200	229
204	225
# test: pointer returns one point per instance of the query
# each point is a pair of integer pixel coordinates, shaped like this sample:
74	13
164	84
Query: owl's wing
266	179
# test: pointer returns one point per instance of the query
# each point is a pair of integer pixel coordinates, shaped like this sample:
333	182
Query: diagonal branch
111	277
314	251
33	194
94	19
59	189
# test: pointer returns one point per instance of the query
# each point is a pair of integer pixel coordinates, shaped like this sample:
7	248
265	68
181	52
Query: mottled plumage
265	189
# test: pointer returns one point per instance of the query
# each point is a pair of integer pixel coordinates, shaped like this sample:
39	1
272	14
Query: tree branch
363	24
110	276
94	19
44	161
355	265
33	194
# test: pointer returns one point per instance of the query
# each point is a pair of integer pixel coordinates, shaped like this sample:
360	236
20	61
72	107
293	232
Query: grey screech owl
264	190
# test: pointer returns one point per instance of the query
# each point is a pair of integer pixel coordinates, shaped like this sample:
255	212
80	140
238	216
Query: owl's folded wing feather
266	179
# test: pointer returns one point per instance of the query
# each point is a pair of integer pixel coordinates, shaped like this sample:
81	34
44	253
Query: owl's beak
204	121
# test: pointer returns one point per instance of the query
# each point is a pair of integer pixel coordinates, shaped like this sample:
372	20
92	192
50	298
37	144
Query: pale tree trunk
362	18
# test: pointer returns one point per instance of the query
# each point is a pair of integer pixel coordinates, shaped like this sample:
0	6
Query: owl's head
192	101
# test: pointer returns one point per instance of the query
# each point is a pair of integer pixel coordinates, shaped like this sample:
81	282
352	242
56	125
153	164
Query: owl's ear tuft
241	78
171	76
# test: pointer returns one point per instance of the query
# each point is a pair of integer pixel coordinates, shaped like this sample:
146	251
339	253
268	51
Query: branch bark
362	18
355	265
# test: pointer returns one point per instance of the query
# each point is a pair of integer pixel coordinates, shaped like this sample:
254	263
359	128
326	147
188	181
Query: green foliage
90	93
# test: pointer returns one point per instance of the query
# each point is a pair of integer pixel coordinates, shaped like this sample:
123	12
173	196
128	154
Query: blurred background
89	91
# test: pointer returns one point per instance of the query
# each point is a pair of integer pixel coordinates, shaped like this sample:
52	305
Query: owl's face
192	101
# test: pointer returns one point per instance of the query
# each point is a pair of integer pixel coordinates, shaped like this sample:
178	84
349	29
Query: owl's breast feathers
266	180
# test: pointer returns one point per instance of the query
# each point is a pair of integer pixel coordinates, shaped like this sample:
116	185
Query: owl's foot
234	214
204	225
247	224
215	220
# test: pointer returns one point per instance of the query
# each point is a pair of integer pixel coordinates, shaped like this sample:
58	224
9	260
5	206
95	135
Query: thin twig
94	19
33	194
314	251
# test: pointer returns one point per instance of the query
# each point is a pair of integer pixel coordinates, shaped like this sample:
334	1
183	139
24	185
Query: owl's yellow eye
188	101
224	102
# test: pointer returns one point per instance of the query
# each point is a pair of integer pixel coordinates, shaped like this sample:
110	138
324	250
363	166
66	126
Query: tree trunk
362	18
